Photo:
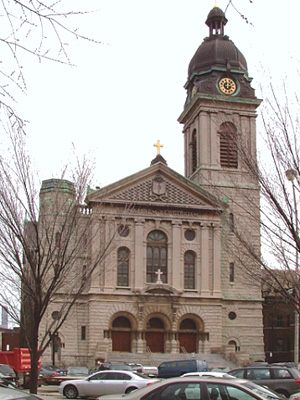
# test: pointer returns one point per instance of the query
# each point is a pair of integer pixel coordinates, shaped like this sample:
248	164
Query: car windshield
13	394
262	391
6	370
141	375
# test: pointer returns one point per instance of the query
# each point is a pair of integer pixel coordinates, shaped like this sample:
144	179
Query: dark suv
283	379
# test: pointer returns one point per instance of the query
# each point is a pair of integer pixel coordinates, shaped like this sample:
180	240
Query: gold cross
158	145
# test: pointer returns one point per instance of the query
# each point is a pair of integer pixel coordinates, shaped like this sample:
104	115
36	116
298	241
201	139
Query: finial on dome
216	21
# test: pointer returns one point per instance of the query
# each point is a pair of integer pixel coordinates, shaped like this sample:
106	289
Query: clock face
227	86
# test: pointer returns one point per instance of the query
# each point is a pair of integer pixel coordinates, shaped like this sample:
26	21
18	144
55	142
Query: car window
258	373
239	373
98	377
124	377
6	369
236	393
176	391
282	373
224	391
117	376
261	390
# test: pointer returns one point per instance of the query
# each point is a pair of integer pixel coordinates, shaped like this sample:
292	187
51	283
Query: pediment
159	186
159	289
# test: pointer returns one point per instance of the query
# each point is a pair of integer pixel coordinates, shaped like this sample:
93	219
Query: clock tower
220	109
219	127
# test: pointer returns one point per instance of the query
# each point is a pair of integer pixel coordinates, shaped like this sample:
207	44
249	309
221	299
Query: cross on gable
158	146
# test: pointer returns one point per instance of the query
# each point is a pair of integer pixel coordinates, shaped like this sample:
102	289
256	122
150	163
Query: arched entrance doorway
155	335
121	334
187	336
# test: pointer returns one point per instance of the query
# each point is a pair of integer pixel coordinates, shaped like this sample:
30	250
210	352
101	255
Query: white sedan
104	382
216	374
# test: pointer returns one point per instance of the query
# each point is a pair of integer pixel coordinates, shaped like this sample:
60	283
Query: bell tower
220	110
219	127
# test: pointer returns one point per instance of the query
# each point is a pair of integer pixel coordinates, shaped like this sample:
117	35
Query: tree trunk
35	356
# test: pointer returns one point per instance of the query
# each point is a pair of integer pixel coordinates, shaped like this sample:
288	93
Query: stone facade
171	280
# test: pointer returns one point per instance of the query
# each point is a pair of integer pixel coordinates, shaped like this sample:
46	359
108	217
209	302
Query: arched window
194	150
157	256
228	145
123	267
189	270
188	324
155	323
121	322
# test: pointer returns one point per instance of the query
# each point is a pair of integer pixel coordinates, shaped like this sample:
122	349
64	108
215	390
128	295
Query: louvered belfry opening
194	150
228	145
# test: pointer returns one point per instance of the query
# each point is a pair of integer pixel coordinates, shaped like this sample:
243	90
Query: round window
232	315
55	315
189	234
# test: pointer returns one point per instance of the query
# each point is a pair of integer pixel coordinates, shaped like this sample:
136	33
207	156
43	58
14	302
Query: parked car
169	369
6	382
119	365
46	371
77	371
150	370
136	367
283	379
215	374
9	374
199	388
52	370
8	393
104	382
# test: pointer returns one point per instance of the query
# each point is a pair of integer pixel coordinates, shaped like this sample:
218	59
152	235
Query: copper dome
217	50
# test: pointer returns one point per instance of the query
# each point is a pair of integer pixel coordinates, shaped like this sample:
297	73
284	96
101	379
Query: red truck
19	360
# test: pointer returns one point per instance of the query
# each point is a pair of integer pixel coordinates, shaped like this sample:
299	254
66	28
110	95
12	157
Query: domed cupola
218	67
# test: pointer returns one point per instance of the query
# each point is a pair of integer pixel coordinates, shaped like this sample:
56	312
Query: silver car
104	382
199	388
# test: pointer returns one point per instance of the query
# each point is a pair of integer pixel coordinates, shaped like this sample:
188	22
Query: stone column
216	260
139	266
176	279
98	245
204	284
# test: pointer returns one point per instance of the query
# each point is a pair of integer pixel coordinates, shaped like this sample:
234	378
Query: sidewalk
50	393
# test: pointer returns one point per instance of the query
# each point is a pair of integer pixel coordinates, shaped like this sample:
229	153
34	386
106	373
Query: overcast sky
126	93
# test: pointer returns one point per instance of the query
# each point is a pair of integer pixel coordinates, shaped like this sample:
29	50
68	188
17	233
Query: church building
174	281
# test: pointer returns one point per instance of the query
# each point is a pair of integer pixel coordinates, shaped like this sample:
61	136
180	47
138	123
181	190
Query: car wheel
130	389
70	392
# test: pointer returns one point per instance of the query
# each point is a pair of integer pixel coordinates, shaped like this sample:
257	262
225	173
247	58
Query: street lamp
291	175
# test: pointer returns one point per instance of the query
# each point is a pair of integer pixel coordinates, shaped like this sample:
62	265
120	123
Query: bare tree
33	259
41	30
277	172
44	246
